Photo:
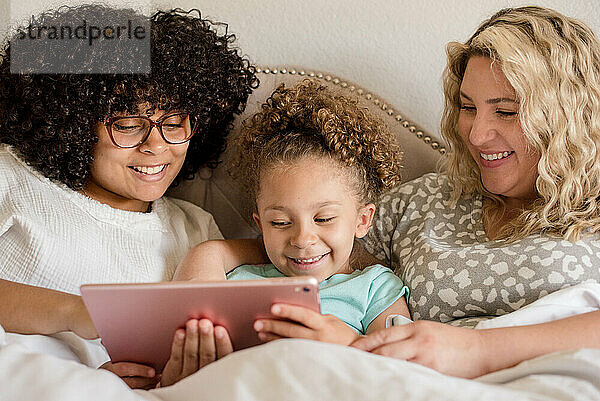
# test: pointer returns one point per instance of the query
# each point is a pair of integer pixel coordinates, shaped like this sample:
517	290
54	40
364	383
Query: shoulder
18	181
428	184
379	274
363	278
432	188
187	208
11	168
199	225
254	272
376	271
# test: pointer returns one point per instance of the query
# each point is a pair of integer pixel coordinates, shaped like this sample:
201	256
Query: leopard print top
455	273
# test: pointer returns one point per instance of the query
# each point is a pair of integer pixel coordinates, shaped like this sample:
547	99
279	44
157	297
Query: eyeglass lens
129	131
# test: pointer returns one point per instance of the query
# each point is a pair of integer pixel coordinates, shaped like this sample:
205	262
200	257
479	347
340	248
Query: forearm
210	260
506	347
27	309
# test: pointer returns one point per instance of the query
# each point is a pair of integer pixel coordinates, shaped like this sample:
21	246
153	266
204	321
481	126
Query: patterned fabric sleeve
456	275
383	240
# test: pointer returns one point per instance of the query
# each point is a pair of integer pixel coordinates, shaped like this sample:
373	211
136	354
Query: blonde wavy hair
553	64
308	120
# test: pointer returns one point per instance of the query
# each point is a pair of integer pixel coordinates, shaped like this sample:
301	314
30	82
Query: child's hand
193	348
134	375
310	325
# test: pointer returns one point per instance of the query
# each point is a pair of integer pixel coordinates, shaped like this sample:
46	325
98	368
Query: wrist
499	349
71	310
484	352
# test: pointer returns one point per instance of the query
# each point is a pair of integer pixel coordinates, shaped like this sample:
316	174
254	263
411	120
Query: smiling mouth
496	156
304	261
148	170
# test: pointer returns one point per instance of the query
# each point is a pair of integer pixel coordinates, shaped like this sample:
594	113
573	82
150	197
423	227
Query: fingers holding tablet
191	348
214	342
135	375
198	345
222	342
174	367
300	322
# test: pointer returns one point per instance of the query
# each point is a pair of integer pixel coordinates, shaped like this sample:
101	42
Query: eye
127	128
171	127
467	108
129	125
324	219
506	113
279	223
174	121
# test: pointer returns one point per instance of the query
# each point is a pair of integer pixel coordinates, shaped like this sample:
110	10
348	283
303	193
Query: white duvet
307	370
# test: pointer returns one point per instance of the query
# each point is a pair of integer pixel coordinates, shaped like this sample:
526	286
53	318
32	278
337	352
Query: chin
150	197
495	187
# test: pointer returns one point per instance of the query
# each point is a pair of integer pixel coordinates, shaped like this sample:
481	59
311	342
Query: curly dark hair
49	119
310	120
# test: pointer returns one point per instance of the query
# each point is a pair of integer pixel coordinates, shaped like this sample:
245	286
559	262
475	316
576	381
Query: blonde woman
516	214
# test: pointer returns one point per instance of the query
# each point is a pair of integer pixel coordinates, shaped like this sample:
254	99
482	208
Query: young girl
314	163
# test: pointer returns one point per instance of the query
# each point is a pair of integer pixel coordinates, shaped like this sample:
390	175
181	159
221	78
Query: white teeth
307	260
149	170
495	156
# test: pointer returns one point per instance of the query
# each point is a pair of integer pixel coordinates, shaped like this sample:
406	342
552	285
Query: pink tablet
137	321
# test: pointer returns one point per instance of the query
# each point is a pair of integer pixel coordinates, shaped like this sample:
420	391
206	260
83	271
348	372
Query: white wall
392	47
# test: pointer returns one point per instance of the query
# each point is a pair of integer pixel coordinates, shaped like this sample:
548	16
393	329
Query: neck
92	191
516	205
345	269
513	207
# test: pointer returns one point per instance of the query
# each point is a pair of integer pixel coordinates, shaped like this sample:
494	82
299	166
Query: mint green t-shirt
356	298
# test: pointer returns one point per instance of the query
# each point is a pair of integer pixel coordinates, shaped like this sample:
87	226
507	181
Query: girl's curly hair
50	119
309	120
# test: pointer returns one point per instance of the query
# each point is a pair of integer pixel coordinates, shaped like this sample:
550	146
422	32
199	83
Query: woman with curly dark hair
85	159
314	164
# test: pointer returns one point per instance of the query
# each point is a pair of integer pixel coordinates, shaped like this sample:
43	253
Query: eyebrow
494	100
317	205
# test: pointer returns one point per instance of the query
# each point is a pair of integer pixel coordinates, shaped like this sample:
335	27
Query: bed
62	367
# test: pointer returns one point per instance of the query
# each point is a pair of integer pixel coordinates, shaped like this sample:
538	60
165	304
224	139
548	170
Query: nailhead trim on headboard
361	92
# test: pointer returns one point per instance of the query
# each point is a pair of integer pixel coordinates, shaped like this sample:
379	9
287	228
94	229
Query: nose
154	144
482	131
303	236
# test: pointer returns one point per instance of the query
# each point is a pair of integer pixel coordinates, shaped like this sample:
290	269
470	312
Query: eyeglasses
132	131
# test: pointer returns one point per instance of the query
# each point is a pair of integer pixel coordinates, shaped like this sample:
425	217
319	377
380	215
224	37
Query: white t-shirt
54	237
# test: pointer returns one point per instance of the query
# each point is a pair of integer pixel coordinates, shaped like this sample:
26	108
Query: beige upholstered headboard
217	193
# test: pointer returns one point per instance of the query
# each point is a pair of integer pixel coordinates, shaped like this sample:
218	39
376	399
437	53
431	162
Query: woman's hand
309	324
193	348
79	320
450	350
27	309
135	375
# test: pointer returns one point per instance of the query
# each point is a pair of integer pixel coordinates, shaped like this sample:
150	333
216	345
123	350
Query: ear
364	219
257	221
